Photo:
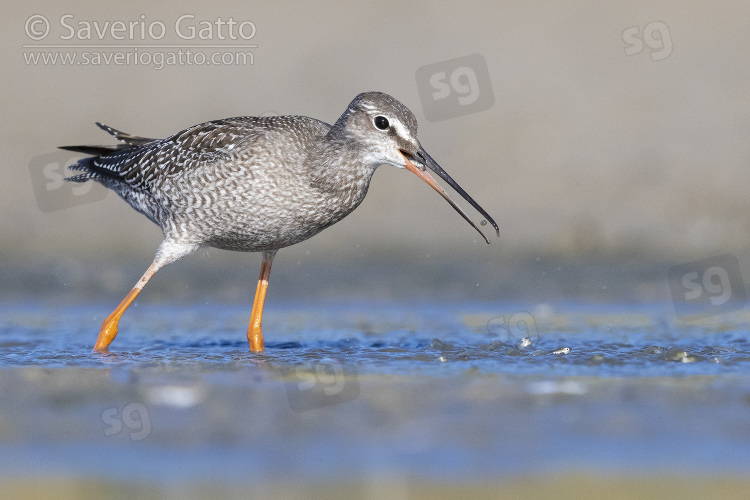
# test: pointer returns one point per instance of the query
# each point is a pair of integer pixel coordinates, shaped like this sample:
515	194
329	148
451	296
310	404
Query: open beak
417	164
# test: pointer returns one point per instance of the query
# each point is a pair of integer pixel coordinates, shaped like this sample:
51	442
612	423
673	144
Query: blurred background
608	141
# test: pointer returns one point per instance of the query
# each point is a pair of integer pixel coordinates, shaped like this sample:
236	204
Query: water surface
380	394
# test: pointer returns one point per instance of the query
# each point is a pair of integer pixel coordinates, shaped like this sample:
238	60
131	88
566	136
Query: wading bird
257	184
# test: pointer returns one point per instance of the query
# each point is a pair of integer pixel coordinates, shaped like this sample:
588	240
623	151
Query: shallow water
385	393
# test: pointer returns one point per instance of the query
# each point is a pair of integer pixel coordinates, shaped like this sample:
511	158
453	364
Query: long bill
417	163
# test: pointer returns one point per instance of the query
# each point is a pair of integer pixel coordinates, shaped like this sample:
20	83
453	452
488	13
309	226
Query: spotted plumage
258	183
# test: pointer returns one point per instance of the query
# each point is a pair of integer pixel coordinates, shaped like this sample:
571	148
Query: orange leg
254	333
109	327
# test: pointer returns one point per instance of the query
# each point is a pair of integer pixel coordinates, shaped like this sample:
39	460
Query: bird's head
385	131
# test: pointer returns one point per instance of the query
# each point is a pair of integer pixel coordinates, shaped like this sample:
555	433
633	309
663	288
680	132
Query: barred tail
87	165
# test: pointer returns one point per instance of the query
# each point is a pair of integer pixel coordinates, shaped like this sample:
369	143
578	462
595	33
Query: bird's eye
381	122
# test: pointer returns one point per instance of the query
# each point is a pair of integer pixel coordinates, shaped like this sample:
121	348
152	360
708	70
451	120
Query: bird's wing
141	162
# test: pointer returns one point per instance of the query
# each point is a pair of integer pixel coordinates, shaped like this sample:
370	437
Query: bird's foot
107	334
255	339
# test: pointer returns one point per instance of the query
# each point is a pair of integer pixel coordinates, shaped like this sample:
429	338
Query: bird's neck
339	168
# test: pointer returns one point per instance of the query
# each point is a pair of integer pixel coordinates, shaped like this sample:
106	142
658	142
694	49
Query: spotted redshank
257	184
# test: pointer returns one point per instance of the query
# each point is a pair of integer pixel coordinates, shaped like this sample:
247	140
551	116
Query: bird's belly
256	225
267	213
256	238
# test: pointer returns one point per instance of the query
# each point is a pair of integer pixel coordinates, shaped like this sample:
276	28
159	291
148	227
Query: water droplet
677	354
483	223
562	350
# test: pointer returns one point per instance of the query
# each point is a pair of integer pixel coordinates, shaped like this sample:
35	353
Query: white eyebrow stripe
401	130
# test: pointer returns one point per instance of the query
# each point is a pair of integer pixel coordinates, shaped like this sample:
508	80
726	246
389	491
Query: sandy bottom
572	487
